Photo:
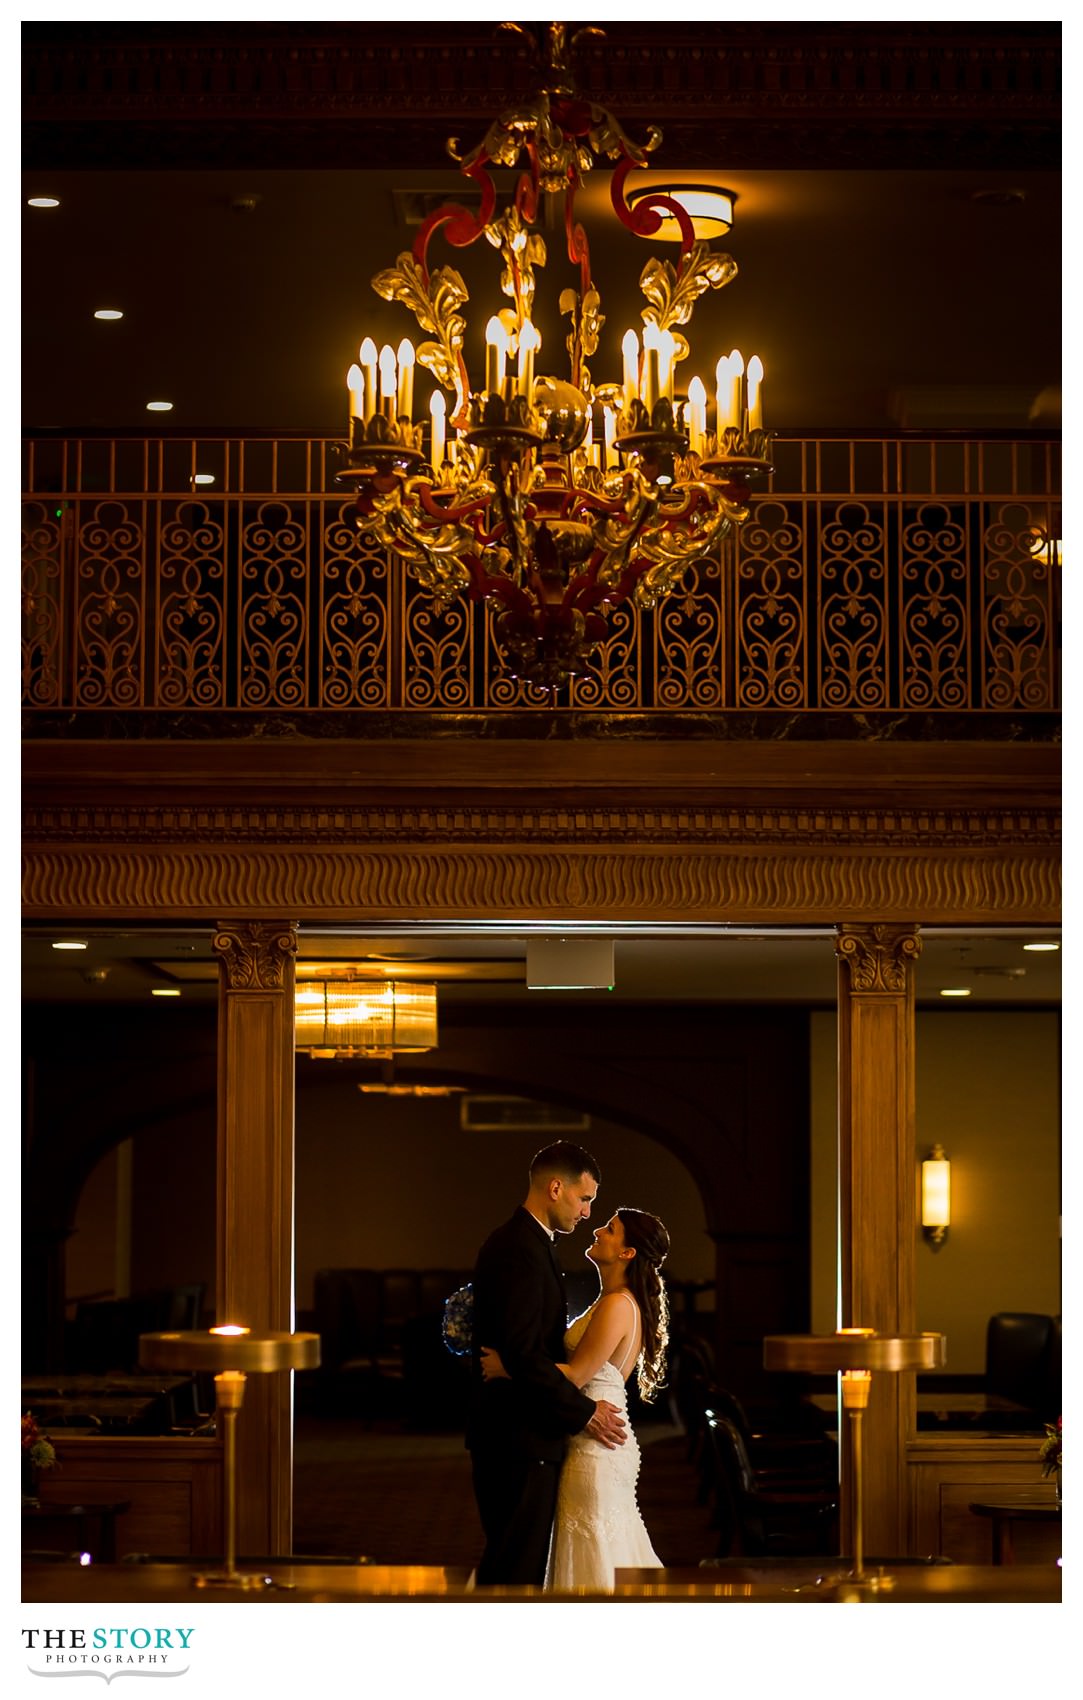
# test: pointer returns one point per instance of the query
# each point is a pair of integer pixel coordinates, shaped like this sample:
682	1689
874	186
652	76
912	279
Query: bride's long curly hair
650	1240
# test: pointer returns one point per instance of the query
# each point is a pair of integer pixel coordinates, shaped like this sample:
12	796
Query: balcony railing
913	575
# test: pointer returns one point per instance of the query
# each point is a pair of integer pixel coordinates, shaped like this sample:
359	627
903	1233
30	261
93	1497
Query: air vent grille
483	1114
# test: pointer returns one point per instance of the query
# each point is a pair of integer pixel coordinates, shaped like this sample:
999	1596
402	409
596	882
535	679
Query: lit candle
593	449
406	379
696	415
387	381
652	350
496	349
354	383
438	410
609	447
755	393
667	350
368	369
730	372
529	340
630	350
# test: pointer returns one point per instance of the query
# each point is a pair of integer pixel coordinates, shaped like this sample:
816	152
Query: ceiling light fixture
69	944
710	209
43	201
203	478
363	1018
159	407
556	500
108	313
955	991
165	991
1042	945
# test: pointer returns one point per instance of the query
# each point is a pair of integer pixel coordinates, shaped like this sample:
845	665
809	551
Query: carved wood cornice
878	958
675	882
809	832
599	822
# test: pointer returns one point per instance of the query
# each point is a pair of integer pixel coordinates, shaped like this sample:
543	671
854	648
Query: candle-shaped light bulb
406	379
630	351
609	447
438	413
755	393
368	372
733	401
696	415
496	349
388	381
652	358
667	357
355	383
529	341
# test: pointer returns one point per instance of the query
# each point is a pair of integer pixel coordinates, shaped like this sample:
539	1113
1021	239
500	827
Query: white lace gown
598	1527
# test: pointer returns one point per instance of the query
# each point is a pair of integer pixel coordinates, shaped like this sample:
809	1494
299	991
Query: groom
519	1425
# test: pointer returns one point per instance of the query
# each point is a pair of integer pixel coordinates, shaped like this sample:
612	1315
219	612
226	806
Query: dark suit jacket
520	1308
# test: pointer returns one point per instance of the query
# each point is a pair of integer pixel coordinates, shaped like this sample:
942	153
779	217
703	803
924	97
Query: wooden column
255	1205
877	1200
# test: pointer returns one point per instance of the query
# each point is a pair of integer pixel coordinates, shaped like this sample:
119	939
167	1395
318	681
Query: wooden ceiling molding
743	95
806	834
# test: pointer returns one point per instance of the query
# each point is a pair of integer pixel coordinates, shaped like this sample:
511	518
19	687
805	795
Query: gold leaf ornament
435	306
674	290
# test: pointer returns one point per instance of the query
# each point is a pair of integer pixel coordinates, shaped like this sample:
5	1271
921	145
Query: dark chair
756	1521
691	1374
806	1461
1019	1351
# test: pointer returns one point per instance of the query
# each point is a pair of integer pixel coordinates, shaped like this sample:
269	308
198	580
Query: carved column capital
254	953
878	956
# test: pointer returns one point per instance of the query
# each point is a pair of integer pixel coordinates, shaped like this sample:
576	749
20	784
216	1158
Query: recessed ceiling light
165	992
159	407
43	201
203	478
955	991
108	313
69	944
1049	945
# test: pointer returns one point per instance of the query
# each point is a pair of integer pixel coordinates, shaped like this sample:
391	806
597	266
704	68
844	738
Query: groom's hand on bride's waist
607	1425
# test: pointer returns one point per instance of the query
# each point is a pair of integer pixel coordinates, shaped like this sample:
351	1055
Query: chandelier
553	499
363	1018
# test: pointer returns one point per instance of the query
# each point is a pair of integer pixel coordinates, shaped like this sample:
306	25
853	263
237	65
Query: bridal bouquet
458	1324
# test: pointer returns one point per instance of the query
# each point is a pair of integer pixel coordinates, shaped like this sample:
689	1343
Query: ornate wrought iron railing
916	575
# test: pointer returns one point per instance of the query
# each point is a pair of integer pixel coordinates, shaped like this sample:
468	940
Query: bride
598	1527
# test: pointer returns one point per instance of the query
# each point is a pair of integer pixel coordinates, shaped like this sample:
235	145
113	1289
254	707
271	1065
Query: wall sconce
936	1196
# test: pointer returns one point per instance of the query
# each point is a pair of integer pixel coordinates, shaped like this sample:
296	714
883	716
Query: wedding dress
598	1527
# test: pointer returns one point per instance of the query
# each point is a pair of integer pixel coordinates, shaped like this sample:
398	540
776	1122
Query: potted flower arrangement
38	1454
1049	1452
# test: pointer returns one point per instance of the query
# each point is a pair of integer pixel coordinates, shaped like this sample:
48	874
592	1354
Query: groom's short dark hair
565	1159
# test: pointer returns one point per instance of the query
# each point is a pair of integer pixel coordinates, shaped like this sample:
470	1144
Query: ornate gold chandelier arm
434	302
432	552
672	291
670	550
